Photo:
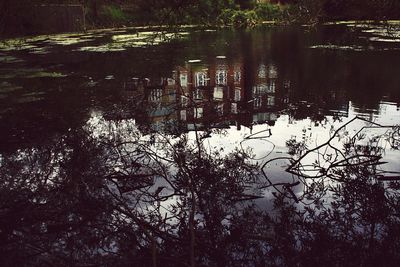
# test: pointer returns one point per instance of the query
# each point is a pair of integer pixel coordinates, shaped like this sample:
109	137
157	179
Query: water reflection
111	194
176	154
220	94
45	95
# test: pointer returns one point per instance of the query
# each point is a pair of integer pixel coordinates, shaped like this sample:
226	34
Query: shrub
269	11
226	16
238	18
113	13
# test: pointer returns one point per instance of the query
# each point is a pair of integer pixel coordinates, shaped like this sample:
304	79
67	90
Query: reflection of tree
119	197
82	200
50	200
352	216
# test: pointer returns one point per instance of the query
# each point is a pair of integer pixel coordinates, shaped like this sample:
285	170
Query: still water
294	82
273	92
248	78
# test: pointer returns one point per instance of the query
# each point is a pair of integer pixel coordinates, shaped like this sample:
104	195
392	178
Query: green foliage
239	18
14	15
250	17
245	18
113	13
270	11
226	16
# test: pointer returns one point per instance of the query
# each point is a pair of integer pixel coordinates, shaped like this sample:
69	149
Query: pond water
295	82
272	76
275	92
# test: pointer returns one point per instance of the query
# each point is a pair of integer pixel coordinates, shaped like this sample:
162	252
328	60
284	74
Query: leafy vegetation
226	12
114	14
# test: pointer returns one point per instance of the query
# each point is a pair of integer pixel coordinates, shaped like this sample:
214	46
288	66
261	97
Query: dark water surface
273	92
51	84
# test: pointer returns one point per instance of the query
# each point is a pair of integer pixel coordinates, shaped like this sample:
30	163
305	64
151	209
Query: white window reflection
198	94
156	95
201	78
218	93
262	71
221	77
237	76
183	115
183	79
184	100
271	87
234	108
257	102
238	94
270	101
198	113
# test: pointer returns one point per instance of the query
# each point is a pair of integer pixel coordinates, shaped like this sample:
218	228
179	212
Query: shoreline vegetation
18	20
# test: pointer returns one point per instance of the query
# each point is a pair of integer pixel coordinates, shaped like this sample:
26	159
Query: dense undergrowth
16	17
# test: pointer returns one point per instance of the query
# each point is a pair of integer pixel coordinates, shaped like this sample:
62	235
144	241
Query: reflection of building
227	92
196	95
201	95
264	94
210	95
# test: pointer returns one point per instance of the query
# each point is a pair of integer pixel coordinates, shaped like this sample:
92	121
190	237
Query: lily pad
29	99
339	47
6	87
121	42
29	73
9	59
44	74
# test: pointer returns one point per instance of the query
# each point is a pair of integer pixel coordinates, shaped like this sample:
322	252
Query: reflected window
155	95
272	73
238	94
234	108
270	101
262	71
221	77
201	78
260	89
257	102
171	96
183	79
184	100
170	81
198	94
259	117
218	93
237	76
198	113
183	115
271	87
